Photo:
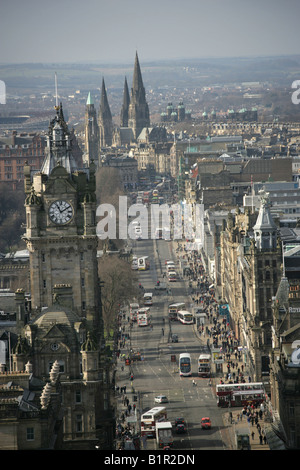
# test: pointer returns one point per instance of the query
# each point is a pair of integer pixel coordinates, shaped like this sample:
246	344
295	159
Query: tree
108	190
119	286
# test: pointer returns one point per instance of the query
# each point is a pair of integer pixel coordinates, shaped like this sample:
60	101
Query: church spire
137	82
138	113
104	106
105	119
125	106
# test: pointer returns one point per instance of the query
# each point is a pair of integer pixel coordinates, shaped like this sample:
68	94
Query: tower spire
125	106
138	112
137	82
105	119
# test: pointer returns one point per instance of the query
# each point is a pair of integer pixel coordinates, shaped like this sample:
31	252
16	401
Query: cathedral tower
105	120
91	132
138	112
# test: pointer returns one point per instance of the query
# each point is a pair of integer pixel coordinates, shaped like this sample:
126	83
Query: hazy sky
112	30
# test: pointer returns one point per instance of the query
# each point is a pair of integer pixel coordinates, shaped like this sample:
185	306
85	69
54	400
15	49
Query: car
161	399
205	423
180	429
174	338
179	421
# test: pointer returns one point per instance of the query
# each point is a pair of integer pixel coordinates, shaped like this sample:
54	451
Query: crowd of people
216	329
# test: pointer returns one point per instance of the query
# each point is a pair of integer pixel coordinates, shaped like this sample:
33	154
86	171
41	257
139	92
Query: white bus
143	263
204	365
172	276
133	308
148	298
134	263
185	317
185	365
174	309
143	316
171	267
150	418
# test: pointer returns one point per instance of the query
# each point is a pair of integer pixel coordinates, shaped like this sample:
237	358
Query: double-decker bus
174	309
143	316
133	308
185	317
150	418
204	365
143	263
185	365
148	298
240	394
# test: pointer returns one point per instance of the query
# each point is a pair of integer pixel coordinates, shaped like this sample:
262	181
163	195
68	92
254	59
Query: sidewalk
233	420
239	423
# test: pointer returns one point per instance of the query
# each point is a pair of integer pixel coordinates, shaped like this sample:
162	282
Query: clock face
60	212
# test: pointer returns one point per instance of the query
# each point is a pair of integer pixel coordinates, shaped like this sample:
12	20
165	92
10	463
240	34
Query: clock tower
61	227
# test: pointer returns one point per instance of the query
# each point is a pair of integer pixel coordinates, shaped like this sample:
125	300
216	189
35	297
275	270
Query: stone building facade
64	325
251	266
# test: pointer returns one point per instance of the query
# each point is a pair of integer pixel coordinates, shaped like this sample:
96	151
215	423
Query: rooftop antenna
56	95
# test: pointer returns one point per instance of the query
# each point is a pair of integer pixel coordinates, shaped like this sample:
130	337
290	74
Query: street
156	374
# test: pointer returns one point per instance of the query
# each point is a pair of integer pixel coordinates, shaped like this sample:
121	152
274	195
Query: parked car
161	399
205	423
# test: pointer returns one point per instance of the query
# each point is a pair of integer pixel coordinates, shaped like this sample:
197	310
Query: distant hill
281	70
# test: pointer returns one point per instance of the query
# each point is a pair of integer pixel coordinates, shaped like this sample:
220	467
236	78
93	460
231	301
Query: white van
148	298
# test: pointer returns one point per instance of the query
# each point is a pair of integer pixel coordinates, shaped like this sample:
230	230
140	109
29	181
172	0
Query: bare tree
108	190
119	286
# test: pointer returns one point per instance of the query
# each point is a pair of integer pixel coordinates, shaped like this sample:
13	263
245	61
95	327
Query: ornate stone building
251	267
65	324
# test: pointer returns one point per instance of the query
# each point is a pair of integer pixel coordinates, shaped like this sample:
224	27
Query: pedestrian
253	434
260	439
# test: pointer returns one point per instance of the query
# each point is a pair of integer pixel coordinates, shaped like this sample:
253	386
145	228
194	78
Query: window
30	434
78	423
44	283
78	396
83	305
291	409
82	282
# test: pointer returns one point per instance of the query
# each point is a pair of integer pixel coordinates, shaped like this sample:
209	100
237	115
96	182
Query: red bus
240	394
